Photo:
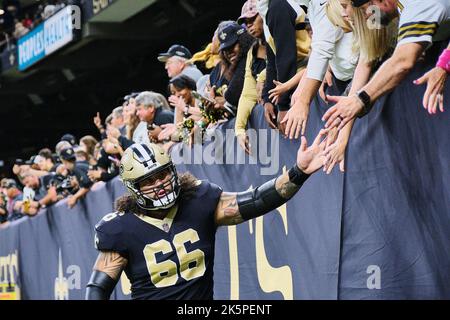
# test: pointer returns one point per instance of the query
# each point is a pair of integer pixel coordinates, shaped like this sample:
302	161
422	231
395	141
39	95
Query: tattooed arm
107	270
234	208
228	213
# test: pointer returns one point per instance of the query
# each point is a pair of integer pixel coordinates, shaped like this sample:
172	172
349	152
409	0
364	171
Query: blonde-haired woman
374	45
87	143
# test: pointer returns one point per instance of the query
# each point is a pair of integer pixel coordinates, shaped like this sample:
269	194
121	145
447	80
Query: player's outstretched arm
234	208
106	273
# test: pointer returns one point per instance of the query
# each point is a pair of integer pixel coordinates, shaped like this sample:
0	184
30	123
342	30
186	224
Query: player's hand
311	159
345	109
434	94
269	115
295	120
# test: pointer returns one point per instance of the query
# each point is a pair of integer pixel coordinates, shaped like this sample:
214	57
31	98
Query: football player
163	233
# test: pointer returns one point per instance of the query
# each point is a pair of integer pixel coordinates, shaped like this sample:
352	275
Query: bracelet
444	61
297	176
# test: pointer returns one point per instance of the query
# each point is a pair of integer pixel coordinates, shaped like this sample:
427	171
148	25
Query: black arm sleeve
281	22
259	201
100	286
265	198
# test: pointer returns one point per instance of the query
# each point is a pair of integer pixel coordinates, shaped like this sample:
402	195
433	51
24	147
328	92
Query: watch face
364	97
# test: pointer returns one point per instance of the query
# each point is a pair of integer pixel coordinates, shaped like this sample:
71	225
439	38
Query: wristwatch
366	101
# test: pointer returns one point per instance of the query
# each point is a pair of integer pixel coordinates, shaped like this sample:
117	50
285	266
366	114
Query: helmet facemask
145	171
156	202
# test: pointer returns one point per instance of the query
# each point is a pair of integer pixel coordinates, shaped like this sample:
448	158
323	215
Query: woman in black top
235	43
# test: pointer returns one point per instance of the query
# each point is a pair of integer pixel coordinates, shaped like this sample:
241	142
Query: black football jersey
171	258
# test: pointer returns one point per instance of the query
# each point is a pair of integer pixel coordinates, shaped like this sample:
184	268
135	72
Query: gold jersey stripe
415	33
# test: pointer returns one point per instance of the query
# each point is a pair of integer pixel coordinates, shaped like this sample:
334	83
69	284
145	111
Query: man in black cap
79	172
177	62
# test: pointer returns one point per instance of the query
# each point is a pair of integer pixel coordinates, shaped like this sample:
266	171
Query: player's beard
188	187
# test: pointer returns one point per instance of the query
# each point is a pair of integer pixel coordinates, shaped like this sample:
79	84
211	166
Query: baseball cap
230	35
70	138
175	50
67	154
359	3
10	183
248	11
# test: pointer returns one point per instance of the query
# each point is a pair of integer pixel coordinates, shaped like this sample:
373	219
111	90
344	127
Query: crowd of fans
16	21
277	55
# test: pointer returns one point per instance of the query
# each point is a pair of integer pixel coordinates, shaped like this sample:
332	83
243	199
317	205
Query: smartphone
202	98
